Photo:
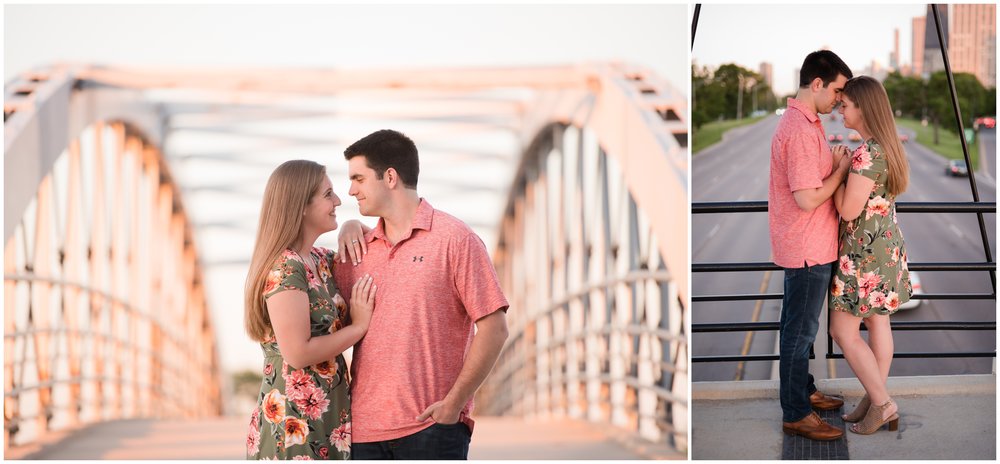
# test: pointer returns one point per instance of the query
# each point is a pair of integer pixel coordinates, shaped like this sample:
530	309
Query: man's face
366	187
829	96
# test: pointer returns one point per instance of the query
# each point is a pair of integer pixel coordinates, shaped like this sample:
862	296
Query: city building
933	61
972	42
917	49
767	72
894	56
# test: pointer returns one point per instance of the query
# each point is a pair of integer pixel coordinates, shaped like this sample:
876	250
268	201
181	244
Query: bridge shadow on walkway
224	438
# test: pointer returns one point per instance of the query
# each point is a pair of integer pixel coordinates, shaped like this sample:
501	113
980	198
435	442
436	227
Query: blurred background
138	140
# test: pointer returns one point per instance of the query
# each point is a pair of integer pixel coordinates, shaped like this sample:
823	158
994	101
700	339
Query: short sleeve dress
303	413
871	276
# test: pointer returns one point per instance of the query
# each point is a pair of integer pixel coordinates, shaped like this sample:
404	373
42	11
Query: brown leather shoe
823	402
813	428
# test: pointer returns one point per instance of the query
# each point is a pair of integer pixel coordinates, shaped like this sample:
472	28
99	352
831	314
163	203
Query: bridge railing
593	255
902	207
105	314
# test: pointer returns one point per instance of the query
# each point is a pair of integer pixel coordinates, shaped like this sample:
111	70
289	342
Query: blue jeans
805	293
439	441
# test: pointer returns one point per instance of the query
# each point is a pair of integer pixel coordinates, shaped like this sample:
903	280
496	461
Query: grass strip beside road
950	145
711	133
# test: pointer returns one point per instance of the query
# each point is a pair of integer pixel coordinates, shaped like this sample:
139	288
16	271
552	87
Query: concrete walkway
942	417
224	438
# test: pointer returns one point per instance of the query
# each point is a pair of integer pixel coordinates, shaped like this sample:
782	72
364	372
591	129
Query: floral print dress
303	413
871	276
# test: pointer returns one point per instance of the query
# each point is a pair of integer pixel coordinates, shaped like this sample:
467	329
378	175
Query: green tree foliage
972	100
247	383
716	93
906	94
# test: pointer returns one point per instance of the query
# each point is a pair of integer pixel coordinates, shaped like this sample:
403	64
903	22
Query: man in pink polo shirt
803	224
421	362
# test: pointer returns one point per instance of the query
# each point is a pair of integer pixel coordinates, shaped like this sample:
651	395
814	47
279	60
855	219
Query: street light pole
739	100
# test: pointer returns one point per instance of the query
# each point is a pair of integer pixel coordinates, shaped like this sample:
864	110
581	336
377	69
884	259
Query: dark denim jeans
805	293
439	441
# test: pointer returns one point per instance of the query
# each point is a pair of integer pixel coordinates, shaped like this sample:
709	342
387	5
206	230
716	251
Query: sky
351	36
327	36
856	33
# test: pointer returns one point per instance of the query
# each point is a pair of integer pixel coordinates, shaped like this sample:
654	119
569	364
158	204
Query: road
988	152
736	169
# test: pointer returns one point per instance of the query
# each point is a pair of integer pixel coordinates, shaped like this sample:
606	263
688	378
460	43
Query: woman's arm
852	198
289	312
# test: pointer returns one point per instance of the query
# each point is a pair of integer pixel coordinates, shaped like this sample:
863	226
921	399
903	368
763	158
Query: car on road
986	121
903	138
917	289
956	168
835	138
779	111
854	137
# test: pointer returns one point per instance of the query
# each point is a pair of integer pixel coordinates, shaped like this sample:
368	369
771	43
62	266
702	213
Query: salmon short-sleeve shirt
800	159
432	287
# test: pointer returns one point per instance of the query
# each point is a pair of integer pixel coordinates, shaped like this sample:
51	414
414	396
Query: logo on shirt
418	258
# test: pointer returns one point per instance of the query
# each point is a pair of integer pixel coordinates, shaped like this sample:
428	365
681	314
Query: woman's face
320	213
851	113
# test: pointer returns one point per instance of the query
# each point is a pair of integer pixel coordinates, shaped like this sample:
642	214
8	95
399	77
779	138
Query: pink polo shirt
800	159
432	286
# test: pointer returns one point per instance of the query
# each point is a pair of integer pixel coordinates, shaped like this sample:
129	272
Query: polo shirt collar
810	115
422	220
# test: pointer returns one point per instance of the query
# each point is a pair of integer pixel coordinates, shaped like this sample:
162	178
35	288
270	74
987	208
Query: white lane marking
956	231
715	179
714	231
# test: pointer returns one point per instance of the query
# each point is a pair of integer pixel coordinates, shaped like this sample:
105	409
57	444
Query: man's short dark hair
386	149
825	65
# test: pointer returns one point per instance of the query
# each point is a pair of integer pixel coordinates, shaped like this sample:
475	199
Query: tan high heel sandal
873	420
859	411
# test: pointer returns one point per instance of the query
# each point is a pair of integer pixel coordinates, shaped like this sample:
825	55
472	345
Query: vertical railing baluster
41	296
11	406
72	270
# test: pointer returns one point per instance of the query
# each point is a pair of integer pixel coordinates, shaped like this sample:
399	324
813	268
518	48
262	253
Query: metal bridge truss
589	252
104	307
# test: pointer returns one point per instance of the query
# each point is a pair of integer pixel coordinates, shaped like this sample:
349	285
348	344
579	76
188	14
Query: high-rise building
933	61
972	42
875	70
894	56
917	47
767	72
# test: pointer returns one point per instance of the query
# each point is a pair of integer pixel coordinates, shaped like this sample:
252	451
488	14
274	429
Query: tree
971	99
906	94
717	94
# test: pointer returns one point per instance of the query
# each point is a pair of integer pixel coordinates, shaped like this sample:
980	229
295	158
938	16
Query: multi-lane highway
736	169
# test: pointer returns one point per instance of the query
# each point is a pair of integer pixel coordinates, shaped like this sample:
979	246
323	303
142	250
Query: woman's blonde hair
289	190
876	114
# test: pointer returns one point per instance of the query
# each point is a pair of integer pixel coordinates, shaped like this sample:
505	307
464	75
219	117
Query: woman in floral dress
293	308
871	280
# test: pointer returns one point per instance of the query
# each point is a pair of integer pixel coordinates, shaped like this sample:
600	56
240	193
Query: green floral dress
303	413
871	277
